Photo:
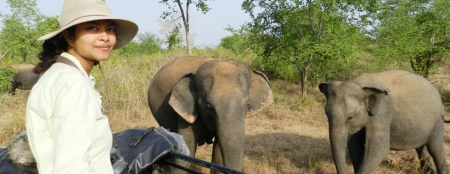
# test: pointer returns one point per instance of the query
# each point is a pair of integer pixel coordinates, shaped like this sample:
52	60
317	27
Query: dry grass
291	136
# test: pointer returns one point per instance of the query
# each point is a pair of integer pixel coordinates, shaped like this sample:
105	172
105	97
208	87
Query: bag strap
137	139
70	63
66	61
120	165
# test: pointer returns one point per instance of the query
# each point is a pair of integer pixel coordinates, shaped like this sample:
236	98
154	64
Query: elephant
382	111
206	101
25	77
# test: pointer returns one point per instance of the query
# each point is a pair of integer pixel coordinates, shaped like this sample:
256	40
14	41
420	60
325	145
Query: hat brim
125	30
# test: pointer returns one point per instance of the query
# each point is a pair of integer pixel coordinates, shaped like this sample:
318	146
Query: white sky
208	28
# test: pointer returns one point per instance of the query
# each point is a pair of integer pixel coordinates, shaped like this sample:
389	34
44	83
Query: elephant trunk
230	137
338	140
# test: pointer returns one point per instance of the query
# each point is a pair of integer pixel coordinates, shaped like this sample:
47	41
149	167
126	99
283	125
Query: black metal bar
180	167
203	163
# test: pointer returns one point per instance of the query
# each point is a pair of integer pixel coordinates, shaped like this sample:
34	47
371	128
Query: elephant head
349	109
221	95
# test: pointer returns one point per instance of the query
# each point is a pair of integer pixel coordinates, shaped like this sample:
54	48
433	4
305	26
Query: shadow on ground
277	148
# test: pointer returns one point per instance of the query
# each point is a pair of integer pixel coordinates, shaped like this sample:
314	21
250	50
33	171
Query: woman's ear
69	39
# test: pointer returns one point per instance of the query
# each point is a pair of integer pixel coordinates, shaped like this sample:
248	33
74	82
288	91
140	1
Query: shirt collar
78	64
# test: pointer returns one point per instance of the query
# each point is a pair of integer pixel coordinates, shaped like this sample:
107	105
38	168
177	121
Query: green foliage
296	39
328	40
22	28
174	39
415	32
239	44
47	25
147	43
275	69
6	78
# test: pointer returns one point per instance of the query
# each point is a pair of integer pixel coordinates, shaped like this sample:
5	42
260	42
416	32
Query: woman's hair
51	48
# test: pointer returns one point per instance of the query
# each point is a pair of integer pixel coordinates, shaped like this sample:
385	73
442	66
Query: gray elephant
204	99
376	112
25	77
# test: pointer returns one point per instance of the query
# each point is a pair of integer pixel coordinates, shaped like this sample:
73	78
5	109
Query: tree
414	32
237	42
6	77
310	35
173	38
200	5
149	43
22	28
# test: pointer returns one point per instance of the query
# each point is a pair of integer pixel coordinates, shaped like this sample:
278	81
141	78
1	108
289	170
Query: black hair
51	48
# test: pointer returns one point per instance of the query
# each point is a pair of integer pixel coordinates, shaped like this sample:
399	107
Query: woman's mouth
104	48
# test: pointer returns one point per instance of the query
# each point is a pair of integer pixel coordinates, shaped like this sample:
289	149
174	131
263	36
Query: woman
66	129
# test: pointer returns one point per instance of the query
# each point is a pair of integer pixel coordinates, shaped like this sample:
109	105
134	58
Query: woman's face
93	40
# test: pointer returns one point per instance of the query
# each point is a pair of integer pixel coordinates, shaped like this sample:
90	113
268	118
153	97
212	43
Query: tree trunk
188	43
185	24
303	72
303	78
186	28
24	58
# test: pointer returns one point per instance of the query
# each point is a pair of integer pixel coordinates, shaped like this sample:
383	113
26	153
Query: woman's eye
112	29
92	28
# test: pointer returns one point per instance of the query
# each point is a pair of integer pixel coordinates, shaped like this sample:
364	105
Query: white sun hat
79	11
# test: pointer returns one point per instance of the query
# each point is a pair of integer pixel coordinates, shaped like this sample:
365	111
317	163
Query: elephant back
22	66
399	82
173	71
25	75
408	95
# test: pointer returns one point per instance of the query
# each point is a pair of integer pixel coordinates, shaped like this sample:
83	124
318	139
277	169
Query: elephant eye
209	108
350	118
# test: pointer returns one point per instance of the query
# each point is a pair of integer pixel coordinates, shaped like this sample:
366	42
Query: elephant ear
375	97
324	89
260	93
182	99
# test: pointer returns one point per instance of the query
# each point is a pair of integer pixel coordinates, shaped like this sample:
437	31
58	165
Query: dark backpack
136	150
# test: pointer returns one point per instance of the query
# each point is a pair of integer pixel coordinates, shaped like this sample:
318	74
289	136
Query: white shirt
67	131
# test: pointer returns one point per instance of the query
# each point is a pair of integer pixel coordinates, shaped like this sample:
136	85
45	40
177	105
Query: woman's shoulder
65	70
60	73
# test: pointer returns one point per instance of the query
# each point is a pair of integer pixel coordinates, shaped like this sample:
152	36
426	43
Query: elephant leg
426	161
216	155
355	145
435	148
376	146
190	137
13	88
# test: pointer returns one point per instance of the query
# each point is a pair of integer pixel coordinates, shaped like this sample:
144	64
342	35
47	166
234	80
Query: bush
6	78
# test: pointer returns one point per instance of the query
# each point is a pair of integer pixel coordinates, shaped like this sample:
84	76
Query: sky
207	28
